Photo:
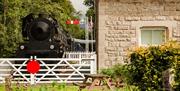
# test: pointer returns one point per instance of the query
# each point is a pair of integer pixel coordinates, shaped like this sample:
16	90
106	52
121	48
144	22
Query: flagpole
91	29
87	34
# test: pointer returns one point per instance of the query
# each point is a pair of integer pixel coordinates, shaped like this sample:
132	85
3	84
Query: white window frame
153	28
136	25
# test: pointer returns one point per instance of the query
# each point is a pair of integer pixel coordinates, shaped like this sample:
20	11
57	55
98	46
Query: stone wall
119	23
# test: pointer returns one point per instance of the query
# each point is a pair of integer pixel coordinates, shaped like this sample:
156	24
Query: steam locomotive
43	37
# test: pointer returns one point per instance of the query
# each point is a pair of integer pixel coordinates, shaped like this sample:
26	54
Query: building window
153	35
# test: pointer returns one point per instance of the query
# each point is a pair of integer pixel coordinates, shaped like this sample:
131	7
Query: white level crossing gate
69	69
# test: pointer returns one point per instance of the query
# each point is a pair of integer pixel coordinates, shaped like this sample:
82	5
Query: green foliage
147	65
11	12
114	72
53	84
10	26
118	73
62	86
89	3
177	73
43	88
1	7
90	11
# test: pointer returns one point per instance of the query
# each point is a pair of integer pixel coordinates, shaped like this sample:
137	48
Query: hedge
147	65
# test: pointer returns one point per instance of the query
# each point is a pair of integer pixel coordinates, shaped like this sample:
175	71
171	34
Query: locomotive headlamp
50	40
22	47
61	51
51	46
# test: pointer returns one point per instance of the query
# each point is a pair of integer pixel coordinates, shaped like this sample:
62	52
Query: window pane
146	37
158	36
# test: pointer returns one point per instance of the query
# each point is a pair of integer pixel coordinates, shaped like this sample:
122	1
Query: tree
91	13
90	4
12	11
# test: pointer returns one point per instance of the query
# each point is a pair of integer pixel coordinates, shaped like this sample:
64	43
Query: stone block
178	24
170	7
178	13
131	8
108	12
108	62
177	1
126	22
108	22
136	1
112	55
109	27
177	18
176	33
160	17
147	13
124	1
178	7
132	28
112	18
147	18
132	31
110	49
121	27
170	13
171	18
121	18
118	22
170	1
121	39
132	18
133	39
112	22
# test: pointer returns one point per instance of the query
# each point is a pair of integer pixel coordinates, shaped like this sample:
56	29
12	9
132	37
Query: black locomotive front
44	38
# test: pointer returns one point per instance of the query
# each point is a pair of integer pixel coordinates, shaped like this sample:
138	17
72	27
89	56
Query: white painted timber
69	69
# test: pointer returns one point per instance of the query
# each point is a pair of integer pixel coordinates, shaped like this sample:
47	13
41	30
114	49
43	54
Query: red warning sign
33	66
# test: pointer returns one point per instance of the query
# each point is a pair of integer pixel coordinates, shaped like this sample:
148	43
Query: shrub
118	73
177	74
148	63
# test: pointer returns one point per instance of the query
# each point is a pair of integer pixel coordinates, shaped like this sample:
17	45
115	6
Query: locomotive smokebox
40	29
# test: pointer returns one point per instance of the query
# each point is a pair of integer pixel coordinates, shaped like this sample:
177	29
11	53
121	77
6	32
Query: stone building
124	24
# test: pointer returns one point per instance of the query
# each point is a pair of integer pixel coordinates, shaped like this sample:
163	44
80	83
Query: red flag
68	22
76	22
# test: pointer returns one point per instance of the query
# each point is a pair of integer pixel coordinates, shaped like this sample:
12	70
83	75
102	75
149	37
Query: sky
78	5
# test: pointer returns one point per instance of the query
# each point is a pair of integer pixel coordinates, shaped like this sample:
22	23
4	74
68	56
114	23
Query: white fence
69	69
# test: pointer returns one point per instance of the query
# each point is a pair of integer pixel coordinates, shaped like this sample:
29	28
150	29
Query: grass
61	87
42	88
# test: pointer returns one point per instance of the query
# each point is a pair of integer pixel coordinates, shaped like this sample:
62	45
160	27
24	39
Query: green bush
148	63
177	74
118	73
